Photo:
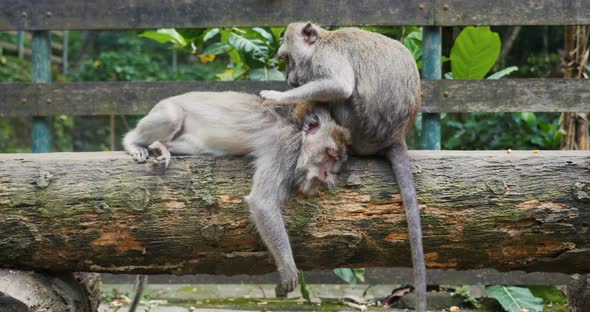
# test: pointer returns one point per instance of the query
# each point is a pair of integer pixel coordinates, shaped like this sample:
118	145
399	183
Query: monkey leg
400	162
161	124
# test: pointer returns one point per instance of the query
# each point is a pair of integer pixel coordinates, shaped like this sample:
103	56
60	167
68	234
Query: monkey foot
161	151
139	154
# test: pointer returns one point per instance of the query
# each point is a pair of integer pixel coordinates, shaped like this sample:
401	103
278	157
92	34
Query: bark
36	292
102	212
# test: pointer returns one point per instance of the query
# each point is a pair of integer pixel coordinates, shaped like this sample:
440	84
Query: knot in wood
497	186
44	179
137	198
582	191
102	207
416	168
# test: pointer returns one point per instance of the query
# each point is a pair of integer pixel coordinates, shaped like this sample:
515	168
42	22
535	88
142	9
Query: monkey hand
272	95
289	280
162	153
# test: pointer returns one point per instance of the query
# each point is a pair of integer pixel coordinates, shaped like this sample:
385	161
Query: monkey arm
270	189
318	91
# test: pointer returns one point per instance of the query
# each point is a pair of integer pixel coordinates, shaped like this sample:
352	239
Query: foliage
303	287
126	63
13	69
250	52
485	131
351	276
515	299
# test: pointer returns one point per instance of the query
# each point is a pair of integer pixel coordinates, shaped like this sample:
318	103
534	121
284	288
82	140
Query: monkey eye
312	126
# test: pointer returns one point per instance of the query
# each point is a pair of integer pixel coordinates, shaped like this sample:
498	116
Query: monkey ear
310	34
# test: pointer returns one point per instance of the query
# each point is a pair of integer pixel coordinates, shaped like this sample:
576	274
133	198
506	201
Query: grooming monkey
293	147
372	86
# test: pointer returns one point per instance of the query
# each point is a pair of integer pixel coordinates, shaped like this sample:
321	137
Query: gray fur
290	152
372	86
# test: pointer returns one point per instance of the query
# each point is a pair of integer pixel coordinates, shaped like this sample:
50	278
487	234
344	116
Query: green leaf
255	48
346	275
304	287
210	34
474	52
217	48
266	74
414	43
549	294
277	31
504	72
264	34
165	35
359	273
448	75
515	299
529	118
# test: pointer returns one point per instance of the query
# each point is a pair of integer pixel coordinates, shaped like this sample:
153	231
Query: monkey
299	148
372	87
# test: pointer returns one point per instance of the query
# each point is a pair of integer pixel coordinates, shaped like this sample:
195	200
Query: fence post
41	62
64	55
20	43
431	70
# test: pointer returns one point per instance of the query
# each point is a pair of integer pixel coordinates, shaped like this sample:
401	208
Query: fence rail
129	14
128	98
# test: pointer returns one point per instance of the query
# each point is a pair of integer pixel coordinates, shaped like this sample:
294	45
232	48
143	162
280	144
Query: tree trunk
101	212
36	292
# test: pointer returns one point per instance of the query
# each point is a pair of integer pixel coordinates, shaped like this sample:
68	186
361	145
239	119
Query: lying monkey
294	147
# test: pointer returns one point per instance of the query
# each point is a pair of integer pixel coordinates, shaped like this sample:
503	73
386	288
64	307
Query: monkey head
323	150
298	45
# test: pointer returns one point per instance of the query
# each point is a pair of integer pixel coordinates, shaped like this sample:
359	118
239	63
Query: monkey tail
139	285
400	162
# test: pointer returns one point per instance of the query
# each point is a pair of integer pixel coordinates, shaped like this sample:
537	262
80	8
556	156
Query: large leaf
266	74
166	35
255	48
515	299
474	52
414	43
346	275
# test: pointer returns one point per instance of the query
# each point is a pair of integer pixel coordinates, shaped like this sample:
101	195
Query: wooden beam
128	14
128	98
484	209
509	12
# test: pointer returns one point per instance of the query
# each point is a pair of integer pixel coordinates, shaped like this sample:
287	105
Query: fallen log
102	212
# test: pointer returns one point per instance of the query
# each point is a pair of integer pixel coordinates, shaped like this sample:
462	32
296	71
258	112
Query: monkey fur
294	147
372	86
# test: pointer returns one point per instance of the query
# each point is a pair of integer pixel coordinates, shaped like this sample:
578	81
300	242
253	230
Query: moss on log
102	212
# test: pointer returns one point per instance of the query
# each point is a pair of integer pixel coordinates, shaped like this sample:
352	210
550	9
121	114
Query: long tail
400	162
139	286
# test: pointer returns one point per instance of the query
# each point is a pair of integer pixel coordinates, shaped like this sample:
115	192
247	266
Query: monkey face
323	151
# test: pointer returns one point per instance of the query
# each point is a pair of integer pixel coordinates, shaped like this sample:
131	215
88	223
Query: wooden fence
42	98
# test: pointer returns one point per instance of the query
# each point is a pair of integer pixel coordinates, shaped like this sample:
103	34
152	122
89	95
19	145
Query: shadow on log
102	212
